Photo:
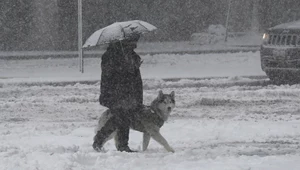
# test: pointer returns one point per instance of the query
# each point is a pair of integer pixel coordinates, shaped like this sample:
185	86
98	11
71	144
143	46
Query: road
144	48
160	66
241	123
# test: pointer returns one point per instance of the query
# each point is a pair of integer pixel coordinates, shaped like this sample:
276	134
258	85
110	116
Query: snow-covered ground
233	123
154	66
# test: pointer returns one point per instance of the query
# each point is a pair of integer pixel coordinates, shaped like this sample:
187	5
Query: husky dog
149	120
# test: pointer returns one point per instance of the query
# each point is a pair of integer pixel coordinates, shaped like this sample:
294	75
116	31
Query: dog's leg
146	140
116	139
155	134
110	137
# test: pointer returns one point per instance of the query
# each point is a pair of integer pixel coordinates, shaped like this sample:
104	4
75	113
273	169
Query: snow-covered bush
213	35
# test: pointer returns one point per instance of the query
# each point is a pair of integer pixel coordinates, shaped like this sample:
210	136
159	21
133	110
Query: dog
148	121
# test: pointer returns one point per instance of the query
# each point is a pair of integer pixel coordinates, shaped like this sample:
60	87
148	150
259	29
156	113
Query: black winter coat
121	82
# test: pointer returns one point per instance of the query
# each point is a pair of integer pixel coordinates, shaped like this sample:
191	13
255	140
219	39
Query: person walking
121	90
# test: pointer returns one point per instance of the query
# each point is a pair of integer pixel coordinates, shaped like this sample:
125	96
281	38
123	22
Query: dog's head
165	103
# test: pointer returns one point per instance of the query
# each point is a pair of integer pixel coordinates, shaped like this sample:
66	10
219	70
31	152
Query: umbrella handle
123	50
141	62
122	29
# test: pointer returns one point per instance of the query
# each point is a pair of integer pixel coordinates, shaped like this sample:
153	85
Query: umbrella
118	31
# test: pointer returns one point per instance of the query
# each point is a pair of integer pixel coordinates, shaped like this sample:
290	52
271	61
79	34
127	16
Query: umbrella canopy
118	31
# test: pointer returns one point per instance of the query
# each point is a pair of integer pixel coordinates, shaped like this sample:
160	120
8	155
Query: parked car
280	53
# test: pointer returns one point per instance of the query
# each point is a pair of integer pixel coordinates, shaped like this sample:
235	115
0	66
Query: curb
91	82
27	55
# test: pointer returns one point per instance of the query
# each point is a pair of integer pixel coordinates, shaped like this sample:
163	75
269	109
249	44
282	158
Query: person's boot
122	139
125	149
97	146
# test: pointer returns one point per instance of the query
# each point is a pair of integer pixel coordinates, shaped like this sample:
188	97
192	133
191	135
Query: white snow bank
154	67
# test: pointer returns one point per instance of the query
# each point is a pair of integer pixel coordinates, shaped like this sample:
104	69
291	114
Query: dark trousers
120	121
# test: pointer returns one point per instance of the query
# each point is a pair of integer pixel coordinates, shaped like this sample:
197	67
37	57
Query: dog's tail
102	120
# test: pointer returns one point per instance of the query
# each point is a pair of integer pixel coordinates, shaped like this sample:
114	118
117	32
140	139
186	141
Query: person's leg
123	138
123	126
102	135
125	119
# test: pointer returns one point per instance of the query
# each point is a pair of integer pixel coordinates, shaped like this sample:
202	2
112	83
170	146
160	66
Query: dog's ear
172	94
160	94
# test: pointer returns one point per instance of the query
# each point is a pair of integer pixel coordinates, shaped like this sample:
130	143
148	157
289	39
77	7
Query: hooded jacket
121	82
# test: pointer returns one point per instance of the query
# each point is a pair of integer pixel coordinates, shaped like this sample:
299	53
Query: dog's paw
171	150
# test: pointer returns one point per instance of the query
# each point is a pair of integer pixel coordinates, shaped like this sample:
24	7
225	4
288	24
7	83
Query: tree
67	29
15	19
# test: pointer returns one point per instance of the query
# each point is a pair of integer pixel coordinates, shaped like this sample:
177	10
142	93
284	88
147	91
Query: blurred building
52	24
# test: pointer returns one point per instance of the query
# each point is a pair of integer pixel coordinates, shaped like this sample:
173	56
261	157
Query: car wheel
293	78
282	77
277	77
